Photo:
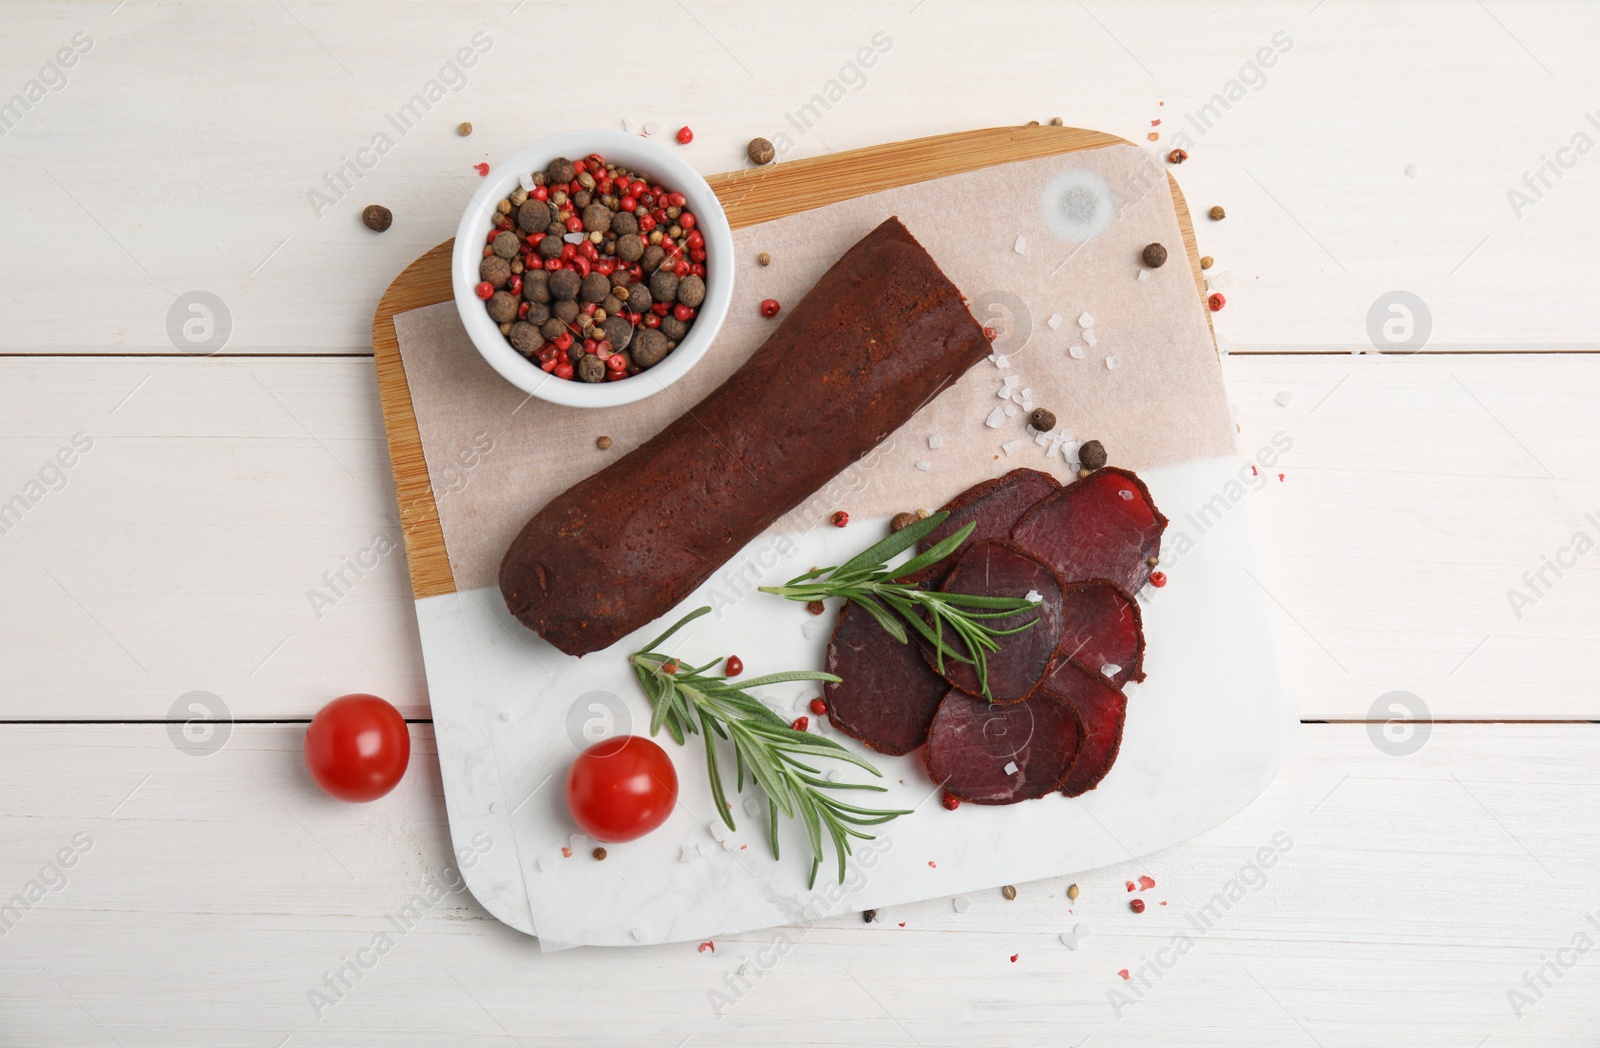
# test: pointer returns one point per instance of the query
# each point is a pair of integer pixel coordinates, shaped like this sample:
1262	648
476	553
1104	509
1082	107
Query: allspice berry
464	129
591	368
1042	419
1217	214
902	521
603	443
376	217
760	151
1092	455
599	853
1154	255
1056	121
1206	261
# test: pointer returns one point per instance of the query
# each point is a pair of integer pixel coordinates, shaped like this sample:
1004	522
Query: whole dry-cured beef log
888	695
1000	569
1104	526
990	754
993	506
879	335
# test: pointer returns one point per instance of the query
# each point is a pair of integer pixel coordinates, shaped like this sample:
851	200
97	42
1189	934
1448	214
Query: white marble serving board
1204	735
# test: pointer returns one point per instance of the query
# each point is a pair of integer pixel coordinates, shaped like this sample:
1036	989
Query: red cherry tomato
357	747
621	789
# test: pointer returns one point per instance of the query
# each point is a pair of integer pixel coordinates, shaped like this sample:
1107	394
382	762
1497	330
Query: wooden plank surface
750	196
191	540
1407	896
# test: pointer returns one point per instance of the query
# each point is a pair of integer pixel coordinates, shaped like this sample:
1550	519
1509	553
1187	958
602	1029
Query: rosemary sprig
688	701
867	579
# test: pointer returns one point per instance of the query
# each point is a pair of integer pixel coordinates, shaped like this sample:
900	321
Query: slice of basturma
994	505
888	695
1001	569
1101	628
1100	709
989	754
880	335
1104	526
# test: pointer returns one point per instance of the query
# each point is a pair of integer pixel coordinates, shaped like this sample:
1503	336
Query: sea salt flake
1078	933
1054	321
1088	336
996	417
1011	767
999	361
1033	596
833	775
494	806
1075	351
1144	274
924	465
1021	246
1125	495
1085	320
652	127
628	125
1041	439
687	854
1012	380
573	238
1011	411
1010	447
1220	281
752	807
543	863
1110	669
505	715
641	934
1284	398
525	180
960	904
1112	362
936	442
704	848
811	627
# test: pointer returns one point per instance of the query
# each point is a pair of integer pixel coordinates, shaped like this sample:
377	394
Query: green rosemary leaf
716	775
675	627
938	551
896	543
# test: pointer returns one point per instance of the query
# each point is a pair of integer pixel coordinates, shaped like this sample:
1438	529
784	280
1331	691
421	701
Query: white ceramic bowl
636	153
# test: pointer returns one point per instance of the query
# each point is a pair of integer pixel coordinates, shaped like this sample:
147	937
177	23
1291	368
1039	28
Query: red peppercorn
686	221
563	341
1137	905
801	723
492	234
676	200
669	667
485	290
628	203
574	224
636	188
616	362
1216	302
589	251
950	801
1158	579
770	307
581	264
481	169
535	239
735	666
522	310
685	136
698	269
682	268
588	308
819	707
563	370
695	239
605	267
683	312
516	285
547	365
646	223
539	193
660	309
839	519
652	320
636	272
552	264
487	251
990	333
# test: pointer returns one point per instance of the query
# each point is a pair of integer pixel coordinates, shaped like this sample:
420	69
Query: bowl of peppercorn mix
591	269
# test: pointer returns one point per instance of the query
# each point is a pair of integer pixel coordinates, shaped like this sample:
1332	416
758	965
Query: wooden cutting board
749	197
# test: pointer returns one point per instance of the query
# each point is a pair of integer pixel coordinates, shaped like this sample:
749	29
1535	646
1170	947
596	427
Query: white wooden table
1435	878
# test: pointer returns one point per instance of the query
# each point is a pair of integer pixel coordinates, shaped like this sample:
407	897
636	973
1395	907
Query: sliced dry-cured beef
888	695
994	506
1100	709
1001	569
1104	526
1101	629
989	754
878	336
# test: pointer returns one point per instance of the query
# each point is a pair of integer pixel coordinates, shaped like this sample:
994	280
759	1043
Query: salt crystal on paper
628	125
960	903
1085	320
641	934
833	775
687	854
505	715
1033	596
1011	411
1220	281
652	127
1021	246
1075	351
1088	336
924	465
1012	380
1112	362
997	416
1071	939
1010	447
1144	274
999	361
1110	669
542	862
811	627
1284	398
936	442
494	806
752	807
1011	767
1041	439
704	848
1054	321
